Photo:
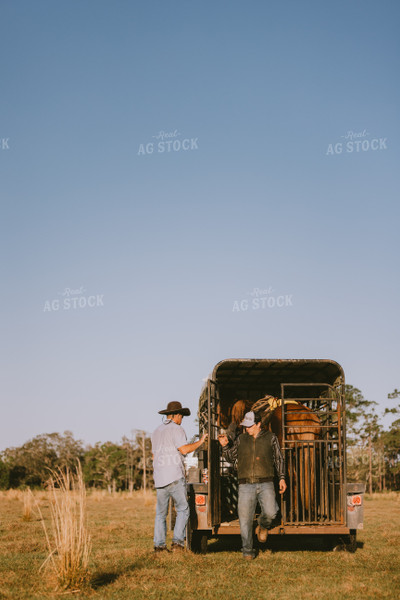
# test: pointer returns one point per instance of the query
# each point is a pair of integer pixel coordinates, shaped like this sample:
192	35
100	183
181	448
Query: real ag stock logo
73	299
168	141
262	299
357	141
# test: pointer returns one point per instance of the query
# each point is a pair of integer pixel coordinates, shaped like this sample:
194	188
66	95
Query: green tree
31	463
4	476
138	454
357	411
105	466
143	456
363	431
391	443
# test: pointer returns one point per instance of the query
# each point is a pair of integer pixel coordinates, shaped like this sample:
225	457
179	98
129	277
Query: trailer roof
266	375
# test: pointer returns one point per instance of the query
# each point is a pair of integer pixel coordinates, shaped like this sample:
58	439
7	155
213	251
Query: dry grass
123	566
97	495
12	494
20	494
145	496
384	496
68	540
28	505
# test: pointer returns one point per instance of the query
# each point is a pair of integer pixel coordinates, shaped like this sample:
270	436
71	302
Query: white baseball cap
248	420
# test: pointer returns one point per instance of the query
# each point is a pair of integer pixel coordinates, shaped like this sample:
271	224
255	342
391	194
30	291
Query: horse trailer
318	501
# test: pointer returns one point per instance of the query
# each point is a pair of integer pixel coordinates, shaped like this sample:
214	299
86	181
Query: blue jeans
176	491
249	494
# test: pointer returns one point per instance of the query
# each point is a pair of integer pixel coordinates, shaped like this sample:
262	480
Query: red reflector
200	499
356	500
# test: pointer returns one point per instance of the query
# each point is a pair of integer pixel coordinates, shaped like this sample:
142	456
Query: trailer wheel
338	545
198	542
347	543
332	543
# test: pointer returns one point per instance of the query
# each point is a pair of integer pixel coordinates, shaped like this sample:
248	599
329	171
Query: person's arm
229	451
188	448
279	464
232	432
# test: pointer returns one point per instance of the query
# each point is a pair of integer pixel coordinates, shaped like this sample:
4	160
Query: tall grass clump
27	508
67	537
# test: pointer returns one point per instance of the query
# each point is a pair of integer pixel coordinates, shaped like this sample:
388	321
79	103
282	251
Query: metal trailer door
213	454
315	467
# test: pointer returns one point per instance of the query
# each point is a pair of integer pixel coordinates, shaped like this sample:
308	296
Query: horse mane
263	403
265	407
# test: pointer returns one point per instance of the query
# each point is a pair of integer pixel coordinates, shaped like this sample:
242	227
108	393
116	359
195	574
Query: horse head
238	411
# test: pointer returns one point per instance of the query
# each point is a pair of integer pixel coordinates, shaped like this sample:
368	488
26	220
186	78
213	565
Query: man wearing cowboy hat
170	445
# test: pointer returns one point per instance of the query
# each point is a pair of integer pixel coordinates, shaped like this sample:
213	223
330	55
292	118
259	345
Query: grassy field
123	566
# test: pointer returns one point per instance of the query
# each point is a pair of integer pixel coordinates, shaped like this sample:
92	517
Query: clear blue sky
164	244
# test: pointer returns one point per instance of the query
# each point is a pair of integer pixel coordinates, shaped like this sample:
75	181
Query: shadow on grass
274	544
225	543
303	543
103	578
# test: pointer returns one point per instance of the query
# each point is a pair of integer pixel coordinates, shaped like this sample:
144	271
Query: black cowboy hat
175	408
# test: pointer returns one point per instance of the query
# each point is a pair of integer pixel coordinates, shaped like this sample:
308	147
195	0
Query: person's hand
203	438
223	440
282	486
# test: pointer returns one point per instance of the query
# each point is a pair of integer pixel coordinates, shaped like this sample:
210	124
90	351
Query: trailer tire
338	546
198	542
347	543
332	543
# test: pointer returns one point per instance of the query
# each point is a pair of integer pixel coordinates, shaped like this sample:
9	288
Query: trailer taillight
356	500
200	499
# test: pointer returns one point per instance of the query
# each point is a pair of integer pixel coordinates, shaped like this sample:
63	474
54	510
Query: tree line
373	453
373	450
122	466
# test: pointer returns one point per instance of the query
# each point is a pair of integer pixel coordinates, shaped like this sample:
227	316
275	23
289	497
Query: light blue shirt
168	462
